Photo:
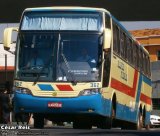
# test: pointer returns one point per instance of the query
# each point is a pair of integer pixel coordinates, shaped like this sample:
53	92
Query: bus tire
38	120
82	125
140	122
107	122
148	127
126	126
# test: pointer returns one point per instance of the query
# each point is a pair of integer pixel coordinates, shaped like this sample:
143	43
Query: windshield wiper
36	80
39	74
65	61
69	69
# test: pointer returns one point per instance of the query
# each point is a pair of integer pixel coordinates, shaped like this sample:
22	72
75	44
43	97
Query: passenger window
106	70
107	21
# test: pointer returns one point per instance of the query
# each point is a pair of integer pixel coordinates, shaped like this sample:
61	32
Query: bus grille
56	94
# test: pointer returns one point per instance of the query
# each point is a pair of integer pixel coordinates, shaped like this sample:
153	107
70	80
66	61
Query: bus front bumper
94	104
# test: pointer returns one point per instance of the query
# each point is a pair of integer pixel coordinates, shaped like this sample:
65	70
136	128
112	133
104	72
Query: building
150	39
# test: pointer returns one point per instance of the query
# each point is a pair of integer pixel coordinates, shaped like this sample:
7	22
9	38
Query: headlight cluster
89	92
22	90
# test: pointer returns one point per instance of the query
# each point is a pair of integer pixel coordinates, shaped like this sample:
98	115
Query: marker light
22	90
89	92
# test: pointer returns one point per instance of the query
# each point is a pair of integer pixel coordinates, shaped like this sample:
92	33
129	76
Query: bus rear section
130	79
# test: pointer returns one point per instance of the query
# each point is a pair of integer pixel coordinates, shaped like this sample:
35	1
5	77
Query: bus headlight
89	92
22	90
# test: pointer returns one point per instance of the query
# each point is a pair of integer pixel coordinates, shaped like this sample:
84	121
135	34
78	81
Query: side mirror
7	36
107	39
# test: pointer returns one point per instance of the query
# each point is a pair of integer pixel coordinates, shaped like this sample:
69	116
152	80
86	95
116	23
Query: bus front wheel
82	125
38	120
107	122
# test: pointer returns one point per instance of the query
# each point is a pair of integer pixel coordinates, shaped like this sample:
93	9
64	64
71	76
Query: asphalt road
101	132
68	131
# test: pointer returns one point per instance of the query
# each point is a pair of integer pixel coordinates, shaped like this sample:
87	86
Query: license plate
54	105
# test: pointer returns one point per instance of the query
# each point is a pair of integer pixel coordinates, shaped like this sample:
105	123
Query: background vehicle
110	89
154	120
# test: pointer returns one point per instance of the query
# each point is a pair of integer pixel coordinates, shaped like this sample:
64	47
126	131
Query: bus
110	88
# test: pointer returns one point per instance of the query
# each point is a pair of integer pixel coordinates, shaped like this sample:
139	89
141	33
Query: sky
136	25
123	10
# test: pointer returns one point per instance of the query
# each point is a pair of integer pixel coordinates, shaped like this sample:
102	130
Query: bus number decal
95	85
123	75
18	84
121	67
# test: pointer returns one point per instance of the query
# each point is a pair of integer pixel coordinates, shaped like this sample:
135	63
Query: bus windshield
82	21
59	56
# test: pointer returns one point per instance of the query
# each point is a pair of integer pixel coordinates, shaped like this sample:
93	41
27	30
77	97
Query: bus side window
107	21
116	39
145	64
106	69
128	50
148	66
141	58
115	48
131	58
134	56
121	43
137	56
125	47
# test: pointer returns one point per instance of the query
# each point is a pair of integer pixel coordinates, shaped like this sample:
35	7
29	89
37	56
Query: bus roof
67	8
